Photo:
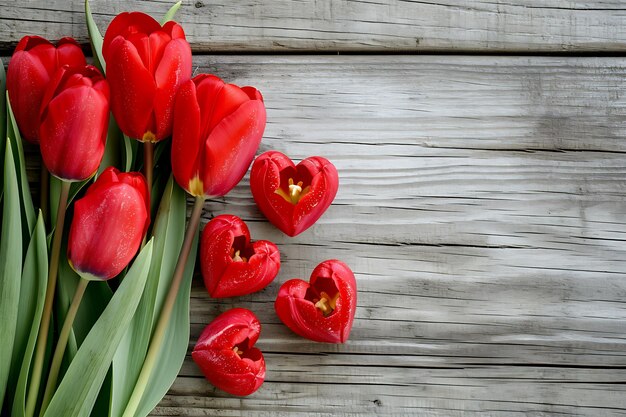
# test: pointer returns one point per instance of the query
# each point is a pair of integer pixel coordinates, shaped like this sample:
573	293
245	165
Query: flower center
326	304
296	192
236	256
148	137
196	187
238	351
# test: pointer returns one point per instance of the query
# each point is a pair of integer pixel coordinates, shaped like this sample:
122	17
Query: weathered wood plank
349	25
482	208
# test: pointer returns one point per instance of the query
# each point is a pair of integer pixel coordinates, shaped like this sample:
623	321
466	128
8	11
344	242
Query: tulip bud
108	225
146	64
217	130
33	64
74	122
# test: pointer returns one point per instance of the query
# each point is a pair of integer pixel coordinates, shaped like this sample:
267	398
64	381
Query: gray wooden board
349	25
481	206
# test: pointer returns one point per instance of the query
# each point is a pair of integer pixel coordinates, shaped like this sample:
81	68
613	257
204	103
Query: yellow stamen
236	256
327	304
196	187
148	137
295	191
237	351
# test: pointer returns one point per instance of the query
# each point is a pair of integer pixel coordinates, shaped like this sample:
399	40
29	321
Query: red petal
106	230
231	146
187	145
174	69
73	133
126	24
132	88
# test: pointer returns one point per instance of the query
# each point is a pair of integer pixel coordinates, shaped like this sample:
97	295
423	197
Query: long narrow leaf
95	37
168	234
33	292
171	13
77	393
3	119
27	208
174	347
10	267
112	151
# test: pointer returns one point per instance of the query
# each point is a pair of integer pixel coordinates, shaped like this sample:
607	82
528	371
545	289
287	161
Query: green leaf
130	152
78	391
27	208
174	347
96	297
33	292
171	13
168	232
3	119
96	38
112	151
10	267
55	192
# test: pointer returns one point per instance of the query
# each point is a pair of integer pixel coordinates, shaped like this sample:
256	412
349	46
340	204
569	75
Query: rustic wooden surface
481	206
350	25
482	200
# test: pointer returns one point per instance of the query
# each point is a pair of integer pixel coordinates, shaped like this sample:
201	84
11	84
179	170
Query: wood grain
481	207
349	25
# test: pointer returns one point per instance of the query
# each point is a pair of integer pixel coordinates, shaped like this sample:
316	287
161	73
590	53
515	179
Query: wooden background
482	199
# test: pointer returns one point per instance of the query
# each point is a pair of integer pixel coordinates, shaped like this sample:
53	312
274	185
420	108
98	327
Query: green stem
148	165
166	312
42	338
62	343
44	188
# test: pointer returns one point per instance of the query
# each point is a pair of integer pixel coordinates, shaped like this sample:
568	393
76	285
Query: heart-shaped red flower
231	265
226	354
322	309
293	197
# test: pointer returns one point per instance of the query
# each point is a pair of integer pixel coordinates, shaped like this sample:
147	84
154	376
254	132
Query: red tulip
217	130
230	264
74	122
109	224
146	64
31	68
226	355
293	197
323	309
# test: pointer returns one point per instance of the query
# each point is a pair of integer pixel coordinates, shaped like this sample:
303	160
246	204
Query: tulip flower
293	197
231	265
323	309
217	130
74	122
32	66
109	224
146	64
226	354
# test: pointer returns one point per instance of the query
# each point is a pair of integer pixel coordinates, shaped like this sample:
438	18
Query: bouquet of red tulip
95	315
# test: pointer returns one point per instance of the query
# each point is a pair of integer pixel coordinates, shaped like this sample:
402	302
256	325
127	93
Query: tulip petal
225	277
187	144
132	109
231	146
174	68
106	230
214	354
124	25
305	319
73	133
